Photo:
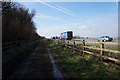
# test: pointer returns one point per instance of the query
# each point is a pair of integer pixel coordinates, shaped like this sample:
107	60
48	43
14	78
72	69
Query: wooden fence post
101	50
109	53
60	42
57	42
54	41
74	46
83	46
74	43
68	43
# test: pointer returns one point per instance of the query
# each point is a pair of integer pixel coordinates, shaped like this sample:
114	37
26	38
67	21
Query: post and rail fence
85	49
12	44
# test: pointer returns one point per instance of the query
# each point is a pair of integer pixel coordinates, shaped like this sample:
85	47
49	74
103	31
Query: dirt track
36	66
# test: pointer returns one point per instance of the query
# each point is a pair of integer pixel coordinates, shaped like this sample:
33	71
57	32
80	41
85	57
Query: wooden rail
84	51
111	43
112	51
114	43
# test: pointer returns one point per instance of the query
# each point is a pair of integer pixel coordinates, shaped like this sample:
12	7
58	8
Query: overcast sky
85	19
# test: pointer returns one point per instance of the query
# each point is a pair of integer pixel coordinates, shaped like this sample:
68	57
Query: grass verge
75	65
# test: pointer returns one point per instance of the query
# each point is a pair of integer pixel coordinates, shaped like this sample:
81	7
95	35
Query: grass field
110	47
75	65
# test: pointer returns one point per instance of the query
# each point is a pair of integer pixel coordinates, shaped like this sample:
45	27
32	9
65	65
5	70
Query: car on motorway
105	38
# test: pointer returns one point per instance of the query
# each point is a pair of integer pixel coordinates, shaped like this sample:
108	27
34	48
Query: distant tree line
17	23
